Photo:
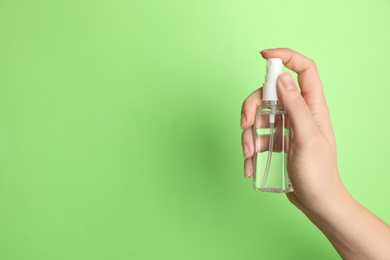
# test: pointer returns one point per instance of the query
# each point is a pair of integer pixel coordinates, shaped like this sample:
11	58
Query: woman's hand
311	159
354	231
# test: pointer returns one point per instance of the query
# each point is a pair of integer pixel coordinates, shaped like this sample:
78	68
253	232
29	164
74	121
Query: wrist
336	200
354	231
332	211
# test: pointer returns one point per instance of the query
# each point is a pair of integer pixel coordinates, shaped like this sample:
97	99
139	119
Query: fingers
308	79
298	112
248	150
262	145
247	142
248	111
307	109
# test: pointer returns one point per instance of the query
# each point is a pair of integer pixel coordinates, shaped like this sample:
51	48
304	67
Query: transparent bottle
271	133
271	139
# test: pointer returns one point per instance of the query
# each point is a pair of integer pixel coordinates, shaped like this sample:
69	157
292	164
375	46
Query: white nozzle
274	69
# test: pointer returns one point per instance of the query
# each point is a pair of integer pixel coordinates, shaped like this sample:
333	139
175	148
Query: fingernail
263	51
287	81
243	119
247	169
246	150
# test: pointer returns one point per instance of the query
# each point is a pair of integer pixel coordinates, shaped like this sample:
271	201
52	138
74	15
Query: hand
354	231
311	158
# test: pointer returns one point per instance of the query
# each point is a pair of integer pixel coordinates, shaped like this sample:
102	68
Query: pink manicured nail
243	119
287	81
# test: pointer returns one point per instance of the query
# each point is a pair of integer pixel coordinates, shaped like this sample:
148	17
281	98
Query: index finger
308	78
309	83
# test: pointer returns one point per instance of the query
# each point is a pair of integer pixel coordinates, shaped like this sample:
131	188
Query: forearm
354	231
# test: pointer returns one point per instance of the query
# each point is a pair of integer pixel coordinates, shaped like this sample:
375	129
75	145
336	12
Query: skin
354	231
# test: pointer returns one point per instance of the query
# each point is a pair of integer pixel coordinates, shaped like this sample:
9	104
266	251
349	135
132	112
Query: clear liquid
270	171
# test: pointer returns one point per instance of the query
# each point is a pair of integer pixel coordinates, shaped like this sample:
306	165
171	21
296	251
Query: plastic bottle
271	137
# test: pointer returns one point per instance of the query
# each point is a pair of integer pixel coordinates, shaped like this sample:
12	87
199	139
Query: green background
119	125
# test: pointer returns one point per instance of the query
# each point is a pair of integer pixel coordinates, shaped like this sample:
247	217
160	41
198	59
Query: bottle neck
271	103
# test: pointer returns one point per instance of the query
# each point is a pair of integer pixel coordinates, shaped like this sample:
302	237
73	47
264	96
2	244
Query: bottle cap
274	69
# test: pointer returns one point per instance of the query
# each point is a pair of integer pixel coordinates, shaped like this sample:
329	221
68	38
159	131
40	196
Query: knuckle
245	104
312	63
287	49
297	102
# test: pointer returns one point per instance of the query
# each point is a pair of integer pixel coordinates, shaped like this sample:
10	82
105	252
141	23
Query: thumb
296	108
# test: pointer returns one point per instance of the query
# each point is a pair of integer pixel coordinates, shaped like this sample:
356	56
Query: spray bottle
271	132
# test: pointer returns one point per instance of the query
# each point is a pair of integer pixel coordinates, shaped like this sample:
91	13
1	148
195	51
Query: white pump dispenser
274	69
